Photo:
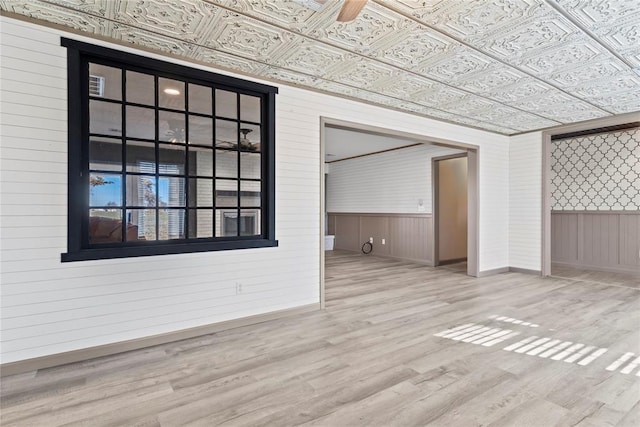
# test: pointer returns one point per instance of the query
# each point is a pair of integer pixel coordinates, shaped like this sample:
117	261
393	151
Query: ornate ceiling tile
599	14
187	20
404	85
248	38
62	16
151	40
528	37
338	88
312	57
439	95
621	102
374	24
492	79
497	128
622	82
524	88
417	45
362	73
288	76
456	65
225	60
468	105
103	8
287	14
560	107
575	52
587	73
472	19
522	121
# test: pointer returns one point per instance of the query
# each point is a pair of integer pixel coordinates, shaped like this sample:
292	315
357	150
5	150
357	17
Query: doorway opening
450	216
384	195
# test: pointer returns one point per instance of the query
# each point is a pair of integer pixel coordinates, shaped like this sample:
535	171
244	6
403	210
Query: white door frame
546	173
473	227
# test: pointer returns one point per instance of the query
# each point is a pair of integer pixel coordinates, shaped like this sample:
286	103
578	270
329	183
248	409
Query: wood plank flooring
373	358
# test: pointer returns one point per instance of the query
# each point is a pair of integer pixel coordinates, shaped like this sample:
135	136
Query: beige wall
452	209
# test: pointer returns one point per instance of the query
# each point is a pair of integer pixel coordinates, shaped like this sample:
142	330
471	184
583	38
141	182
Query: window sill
169	249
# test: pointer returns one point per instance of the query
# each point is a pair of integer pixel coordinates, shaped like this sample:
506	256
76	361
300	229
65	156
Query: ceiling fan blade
350	10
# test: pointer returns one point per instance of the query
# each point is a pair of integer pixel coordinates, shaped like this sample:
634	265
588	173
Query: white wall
525	201
49	307
390	182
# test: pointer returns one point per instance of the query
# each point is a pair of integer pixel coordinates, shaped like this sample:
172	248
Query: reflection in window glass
105	154
200	192
226	164
172	159
226	193
250	139
250	108
105	82
105	118
250	194
200	130
141	122
140	88
200	99
105	226
171	192
171	224
141	190
105	189
171	94
226	104
141	224
250	165
141	157
200	223
200	161
226	134
171	127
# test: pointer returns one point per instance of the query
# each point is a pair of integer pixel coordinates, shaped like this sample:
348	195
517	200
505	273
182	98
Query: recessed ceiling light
171	91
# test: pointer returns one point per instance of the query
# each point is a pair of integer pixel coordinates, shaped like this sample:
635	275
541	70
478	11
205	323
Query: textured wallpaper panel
596	172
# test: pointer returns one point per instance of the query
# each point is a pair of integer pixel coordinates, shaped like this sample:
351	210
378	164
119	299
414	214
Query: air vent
96	86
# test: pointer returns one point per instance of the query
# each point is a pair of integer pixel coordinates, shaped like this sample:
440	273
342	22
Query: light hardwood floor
372	358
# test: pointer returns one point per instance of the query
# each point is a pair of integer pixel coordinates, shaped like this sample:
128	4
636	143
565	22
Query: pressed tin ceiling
507	66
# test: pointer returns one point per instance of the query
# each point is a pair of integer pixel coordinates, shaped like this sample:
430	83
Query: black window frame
79	55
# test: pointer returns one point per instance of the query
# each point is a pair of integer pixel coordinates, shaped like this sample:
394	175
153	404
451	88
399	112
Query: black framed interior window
165	158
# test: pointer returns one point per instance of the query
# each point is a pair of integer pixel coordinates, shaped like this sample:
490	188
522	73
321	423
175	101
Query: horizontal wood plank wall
604	240
407	236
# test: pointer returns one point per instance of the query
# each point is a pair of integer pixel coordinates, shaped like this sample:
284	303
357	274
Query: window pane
171	127
226	222
105	154
200	130
226	134
172	159
200	193
170	94
250	137
250	165
140	88
226	193
105	190
105	118
105	226
141	123
105	81
250	194
250	108
226	164
226	104
141	157
200	161
200	223
171	192
141	224
141	190
171	224
200	99
249	222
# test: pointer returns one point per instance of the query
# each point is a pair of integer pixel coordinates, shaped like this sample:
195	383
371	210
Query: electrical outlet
238	288
384	242
370	239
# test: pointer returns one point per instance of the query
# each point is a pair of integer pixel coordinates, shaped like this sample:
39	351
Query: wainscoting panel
604	240
407	236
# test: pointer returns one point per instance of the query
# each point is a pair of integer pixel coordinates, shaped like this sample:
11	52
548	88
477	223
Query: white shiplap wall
49	307
525	201
390	182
